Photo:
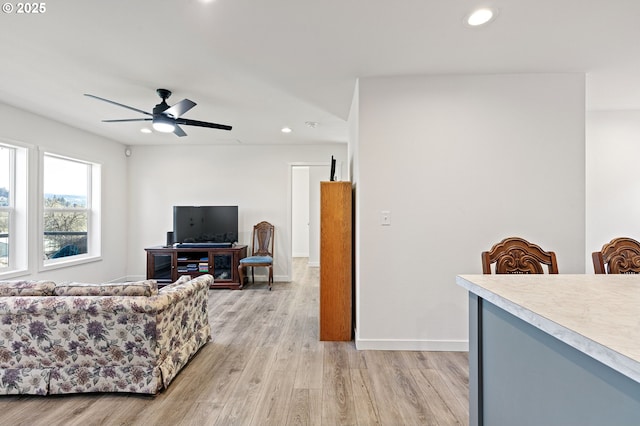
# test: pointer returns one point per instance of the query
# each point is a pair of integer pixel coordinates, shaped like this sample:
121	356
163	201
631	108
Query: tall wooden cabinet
336	240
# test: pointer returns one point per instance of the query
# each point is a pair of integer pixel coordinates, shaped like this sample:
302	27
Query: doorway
305	209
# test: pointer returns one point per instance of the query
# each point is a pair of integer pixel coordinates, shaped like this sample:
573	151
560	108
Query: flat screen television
205	224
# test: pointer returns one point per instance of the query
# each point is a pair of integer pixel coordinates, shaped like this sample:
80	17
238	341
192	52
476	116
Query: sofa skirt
77	379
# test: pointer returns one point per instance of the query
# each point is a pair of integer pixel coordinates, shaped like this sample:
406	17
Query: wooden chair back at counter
515	255
619	256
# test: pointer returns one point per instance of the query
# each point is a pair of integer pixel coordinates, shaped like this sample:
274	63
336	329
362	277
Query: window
13	215
7	156
71	224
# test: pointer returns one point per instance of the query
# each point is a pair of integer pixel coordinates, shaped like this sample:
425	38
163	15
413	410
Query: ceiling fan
165	118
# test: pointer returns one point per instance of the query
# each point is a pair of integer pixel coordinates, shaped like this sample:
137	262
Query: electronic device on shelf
333	169
204	245
207	226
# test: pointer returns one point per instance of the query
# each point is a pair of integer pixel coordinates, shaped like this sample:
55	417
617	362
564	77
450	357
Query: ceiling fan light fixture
163	124
164	117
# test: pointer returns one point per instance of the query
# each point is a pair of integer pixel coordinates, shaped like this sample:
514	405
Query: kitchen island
553	349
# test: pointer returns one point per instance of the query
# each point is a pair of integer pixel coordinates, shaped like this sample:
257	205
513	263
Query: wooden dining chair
619	256
516	255
261	252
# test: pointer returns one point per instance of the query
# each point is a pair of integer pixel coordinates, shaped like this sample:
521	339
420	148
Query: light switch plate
385	218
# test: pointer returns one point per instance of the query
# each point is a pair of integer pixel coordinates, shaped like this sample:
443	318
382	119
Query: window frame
93	211
10	208
18	214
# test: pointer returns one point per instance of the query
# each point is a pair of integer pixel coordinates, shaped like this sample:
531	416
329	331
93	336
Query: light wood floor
265	366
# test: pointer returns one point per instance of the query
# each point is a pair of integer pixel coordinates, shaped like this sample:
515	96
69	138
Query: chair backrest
515	255
262	239
619	256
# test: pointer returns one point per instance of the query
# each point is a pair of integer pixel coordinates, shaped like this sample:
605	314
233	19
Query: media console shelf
167	264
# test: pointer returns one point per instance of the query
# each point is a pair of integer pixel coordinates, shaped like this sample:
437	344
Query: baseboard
129	278
412	345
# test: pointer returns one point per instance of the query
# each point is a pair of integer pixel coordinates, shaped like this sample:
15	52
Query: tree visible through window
67	207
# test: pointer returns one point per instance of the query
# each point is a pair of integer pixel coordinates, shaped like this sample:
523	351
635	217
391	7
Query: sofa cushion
133	288
26	288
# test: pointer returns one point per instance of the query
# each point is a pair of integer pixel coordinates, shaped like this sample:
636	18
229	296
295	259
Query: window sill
65	263
14	273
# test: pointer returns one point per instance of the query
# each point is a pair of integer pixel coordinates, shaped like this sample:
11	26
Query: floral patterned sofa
78	337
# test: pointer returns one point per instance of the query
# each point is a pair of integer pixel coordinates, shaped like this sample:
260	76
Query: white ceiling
259	65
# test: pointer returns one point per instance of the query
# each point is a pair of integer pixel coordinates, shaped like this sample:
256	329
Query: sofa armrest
182	324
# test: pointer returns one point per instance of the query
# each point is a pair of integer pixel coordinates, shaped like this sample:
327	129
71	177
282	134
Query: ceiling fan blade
202	124
180	108
179	132
118	104
127	119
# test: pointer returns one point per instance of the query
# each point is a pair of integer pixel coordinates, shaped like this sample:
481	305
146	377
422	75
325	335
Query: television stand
167	264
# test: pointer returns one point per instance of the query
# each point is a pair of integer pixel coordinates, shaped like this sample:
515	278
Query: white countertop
596	314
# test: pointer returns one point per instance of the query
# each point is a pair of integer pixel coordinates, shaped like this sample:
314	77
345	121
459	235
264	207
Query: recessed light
145	130
480	17
286	130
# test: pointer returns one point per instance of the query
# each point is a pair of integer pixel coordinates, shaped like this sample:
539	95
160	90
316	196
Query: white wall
44	134
256	178
460	162
612	186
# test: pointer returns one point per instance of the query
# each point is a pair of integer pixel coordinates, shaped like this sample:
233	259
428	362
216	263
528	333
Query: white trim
18	209
13	274
15	143
10	209
69	261
130	278
413	345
